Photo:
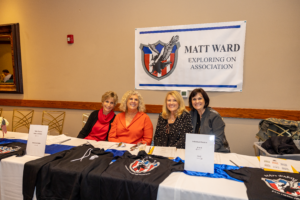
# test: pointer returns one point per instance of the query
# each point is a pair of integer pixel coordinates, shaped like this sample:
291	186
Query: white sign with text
37	138
199	153
275	164
183	57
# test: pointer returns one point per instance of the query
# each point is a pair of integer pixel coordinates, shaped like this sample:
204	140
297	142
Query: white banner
186	57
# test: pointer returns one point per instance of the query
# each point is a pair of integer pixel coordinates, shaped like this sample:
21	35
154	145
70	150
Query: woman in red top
132	125
99	122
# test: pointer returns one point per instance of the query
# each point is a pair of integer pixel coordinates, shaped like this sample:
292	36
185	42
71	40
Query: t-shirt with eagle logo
130	177
267	184
13	148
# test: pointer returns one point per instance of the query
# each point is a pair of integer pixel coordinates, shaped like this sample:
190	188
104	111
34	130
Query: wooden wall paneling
259	113
248	113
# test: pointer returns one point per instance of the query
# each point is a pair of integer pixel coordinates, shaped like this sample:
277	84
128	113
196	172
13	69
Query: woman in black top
206	120
173	123
99	122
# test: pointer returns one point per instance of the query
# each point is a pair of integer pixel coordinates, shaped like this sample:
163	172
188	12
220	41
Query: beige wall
102	56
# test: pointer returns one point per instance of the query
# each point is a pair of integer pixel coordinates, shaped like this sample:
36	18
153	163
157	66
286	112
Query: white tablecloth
177	186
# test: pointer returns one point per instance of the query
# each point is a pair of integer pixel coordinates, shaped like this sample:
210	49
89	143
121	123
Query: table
178	186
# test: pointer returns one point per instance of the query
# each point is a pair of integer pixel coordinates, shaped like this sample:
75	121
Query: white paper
92	142
105	145
199	153
51	139
275	164
164	151
36	143
77	142
123	147
180	153
114	145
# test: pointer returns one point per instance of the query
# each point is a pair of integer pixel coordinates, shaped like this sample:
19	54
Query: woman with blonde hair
173	123
99	121
132	125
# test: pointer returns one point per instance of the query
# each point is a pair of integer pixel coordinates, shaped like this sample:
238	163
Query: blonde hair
181	107
127	95
110	94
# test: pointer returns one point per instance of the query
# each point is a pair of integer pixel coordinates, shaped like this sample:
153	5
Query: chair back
55	120
85	117
22	118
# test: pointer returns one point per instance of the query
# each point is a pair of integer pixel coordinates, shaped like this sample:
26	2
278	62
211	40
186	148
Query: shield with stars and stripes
283	186
152	63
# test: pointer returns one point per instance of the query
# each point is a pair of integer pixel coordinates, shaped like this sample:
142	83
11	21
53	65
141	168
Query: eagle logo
287	187
5	149
143	166
159	59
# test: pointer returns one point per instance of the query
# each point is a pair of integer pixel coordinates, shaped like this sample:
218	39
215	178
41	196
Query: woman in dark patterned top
173	123
206	120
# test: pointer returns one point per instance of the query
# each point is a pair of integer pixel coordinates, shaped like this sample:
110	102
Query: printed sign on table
199	153
275	164
36	143
184	57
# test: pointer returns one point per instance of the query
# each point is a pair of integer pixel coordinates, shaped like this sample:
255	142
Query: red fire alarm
70	39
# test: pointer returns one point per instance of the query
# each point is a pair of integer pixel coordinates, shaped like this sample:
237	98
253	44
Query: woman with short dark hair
206	120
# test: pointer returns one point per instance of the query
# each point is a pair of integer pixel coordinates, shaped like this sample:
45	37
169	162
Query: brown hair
194	93
109	94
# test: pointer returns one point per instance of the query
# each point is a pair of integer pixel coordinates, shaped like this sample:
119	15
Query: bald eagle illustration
284	186
158	60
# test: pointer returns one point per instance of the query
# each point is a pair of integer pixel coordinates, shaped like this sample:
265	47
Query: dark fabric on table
5	141
219	171
12	148
263	185
59	176
120	180
55	148
280	145
85	131
115	152
50	149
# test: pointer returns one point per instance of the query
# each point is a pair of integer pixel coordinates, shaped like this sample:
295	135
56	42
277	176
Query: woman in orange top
132	125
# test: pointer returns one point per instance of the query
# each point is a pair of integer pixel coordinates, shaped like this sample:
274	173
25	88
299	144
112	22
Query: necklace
172	120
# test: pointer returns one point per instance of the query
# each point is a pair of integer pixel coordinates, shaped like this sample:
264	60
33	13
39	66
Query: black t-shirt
280	145
10	149
59	175
268	185
130	177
